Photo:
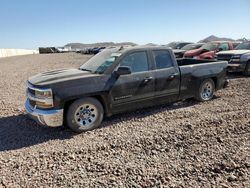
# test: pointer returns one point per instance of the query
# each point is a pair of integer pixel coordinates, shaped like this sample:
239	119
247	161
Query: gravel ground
186	144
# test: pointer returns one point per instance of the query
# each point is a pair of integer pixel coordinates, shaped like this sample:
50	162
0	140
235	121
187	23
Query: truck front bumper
236	66
52	118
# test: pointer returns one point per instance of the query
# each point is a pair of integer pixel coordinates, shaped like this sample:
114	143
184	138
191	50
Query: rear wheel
247	69
84	115
206	90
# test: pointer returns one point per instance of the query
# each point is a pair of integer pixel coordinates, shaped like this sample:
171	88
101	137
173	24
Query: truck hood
234	52
56	76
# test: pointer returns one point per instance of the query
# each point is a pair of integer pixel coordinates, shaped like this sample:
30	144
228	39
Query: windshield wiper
86	70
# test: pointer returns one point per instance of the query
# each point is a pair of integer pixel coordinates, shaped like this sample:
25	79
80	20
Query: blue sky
33	23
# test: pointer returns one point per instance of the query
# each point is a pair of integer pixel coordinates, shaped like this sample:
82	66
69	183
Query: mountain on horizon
101	44
108	44
215	38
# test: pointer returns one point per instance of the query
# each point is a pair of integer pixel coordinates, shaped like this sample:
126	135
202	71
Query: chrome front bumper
52	118
236	66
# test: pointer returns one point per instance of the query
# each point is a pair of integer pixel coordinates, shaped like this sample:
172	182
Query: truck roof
143	47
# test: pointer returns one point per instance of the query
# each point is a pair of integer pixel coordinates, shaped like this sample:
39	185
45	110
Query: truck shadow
20	131
141	113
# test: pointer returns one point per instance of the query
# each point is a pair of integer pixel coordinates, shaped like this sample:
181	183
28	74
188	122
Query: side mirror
123	70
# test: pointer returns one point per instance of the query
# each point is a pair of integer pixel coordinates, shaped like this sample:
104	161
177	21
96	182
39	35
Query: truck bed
193	71
189	61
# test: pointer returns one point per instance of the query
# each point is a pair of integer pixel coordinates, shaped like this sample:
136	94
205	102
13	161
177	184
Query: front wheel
206	90
84	115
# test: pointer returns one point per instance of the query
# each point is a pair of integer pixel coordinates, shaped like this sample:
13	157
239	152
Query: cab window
162	59
137	61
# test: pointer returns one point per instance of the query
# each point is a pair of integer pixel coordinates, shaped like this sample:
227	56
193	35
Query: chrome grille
224	57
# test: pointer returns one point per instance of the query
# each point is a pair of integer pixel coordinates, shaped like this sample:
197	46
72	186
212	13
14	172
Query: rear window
162	59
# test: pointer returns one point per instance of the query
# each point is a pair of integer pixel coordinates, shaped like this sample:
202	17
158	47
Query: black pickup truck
118	80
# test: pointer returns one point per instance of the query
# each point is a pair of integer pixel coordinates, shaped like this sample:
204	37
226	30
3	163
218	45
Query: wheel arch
101	98
215	80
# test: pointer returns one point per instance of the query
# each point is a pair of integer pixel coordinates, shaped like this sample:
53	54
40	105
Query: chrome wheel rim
207	91
86	115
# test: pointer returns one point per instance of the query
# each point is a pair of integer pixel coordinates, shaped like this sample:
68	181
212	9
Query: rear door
137	86
166	74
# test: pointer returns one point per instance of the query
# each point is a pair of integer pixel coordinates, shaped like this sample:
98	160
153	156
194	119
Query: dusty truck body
119	80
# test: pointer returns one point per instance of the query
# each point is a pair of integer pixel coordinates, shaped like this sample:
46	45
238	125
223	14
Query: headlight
44	93
41	98
44	98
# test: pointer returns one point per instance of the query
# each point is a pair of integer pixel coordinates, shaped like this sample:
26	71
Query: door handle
172	76
147	79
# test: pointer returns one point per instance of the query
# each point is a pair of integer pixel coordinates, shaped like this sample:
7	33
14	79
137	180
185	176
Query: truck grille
31	91
224	57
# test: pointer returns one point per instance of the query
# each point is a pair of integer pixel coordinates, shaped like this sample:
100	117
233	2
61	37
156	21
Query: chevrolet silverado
118	80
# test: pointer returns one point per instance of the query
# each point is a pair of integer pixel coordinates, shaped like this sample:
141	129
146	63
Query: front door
137	86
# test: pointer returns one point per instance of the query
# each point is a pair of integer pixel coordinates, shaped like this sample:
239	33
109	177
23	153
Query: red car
209	50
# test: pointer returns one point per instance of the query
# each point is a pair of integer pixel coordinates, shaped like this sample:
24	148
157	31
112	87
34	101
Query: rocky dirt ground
186	144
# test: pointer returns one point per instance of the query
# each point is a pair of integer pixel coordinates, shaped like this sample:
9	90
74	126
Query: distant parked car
209	50
94	50
177	45
91	50
85	51
62	50
47	50
238	59
180	52
78	51
97	50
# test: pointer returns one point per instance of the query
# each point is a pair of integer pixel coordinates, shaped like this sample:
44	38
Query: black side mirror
123	70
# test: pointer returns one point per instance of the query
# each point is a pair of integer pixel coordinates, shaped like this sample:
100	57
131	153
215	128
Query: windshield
191	46
210	46
101	62
243	46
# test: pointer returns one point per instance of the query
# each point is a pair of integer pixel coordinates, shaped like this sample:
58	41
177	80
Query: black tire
84	115
247	69
206	90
